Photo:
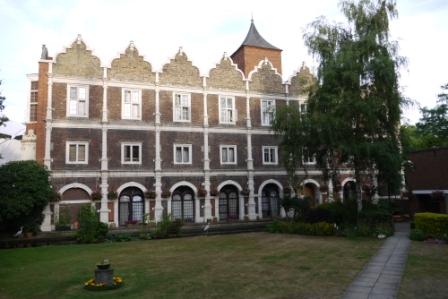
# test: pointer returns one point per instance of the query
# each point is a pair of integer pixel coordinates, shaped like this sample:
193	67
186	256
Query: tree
354	109
25	193
2	99
433	125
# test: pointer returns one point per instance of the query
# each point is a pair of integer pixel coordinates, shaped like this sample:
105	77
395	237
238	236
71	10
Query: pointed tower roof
254	39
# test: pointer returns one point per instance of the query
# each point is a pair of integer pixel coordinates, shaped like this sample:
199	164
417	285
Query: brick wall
167	139
215	140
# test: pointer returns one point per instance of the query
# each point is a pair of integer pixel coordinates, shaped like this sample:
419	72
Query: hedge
432	224
301	228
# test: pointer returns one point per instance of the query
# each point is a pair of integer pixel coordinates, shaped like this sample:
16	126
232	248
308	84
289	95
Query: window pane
72	153
135	99
135	153
81	153
231	154
127	153
179	154
224	155
135	111
33	112
81	93
73	107
81	108
73	93
127	111
222	103
185	113
127	96
229	103
186	155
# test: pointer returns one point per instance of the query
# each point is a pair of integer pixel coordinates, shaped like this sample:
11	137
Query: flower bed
91	285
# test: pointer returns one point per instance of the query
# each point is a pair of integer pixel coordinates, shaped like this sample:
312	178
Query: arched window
228	203
182	204
131	206
270	201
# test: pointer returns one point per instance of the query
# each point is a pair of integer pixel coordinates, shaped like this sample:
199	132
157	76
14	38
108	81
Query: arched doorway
131	206
270	201
349	190
228	203
311	191
72	200
182	204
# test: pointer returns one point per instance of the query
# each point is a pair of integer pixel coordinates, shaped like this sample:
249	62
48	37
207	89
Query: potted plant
112	195
96	196
202	192
150	194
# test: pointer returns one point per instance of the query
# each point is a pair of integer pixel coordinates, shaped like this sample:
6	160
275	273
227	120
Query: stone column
207	204
46	223
49	117
104	209
330	190
250	161
158	209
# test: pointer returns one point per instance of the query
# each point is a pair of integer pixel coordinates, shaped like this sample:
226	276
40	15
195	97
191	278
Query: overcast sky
205	30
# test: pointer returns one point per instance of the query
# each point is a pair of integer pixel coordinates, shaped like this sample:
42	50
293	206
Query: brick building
134	141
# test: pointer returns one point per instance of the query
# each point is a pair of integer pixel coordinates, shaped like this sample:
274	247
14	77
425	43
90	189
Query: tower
254	49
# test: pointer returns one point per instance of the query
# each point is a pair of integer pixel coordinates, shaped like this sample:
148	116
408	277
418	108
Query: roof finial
131	45
78	39
252	17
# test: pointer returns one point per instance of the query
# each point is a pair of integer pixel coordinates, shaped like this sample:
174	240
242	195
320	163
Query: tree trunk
358	189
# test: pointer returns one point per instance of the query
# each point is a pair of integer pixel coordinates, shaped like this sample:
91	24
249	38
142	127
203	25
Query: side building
136	142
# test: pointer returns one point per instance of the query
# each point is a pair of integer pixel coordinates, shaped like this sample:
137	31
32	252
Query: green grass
426	273
256	265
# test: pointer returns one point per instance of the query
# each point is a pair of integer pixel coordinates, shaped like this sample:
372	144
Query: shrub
167	228
302	228
64	220
25	192
299	206
90	228
432	224
319	214
417	235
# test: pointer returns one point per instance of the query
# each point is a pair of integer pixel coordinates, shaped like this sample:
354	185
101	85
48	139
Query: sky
205	30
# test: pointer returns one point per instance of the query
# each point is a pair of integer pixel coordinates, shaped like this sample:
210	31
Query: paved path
381	277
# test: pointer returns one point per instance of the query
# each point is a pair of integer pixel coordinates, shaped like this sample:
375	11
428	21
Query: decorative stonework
302	82
77	61
226	75
180	71
131	67
265	79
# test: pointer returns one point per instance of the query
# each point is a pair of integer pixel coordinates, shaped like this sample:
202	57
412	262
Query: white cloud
205	29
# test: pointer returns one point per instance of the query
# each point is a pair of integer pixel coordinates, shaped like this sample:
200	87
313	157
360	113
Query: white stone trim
184	183
268	147
235	150
123	145
67	151
346	180
75	185
131	184
229	182
190	153
310	181
417	192
174	107
68	202
87	101
140	104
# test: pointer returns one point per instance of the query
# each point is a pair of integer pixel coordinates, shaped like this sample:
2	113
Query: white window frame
123	145
226	146
309	161
263	123
181	94
139	98
234	111
67	152
269	148
86	108
190	153
32	103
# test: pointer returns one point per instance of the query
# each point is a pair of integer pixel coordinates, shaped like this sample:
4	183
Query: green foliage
302	228
2	106
25	193
167	228
432	224
354	110
417	235
64	220
299	206
90	228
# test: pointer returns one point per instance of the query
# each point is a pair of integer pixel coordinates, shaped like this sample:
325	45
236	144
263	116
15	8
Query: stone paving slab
381	276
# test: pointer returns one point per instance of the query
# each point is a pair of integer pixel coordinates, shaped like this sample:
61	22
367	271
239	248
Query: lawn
253	265
426	273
